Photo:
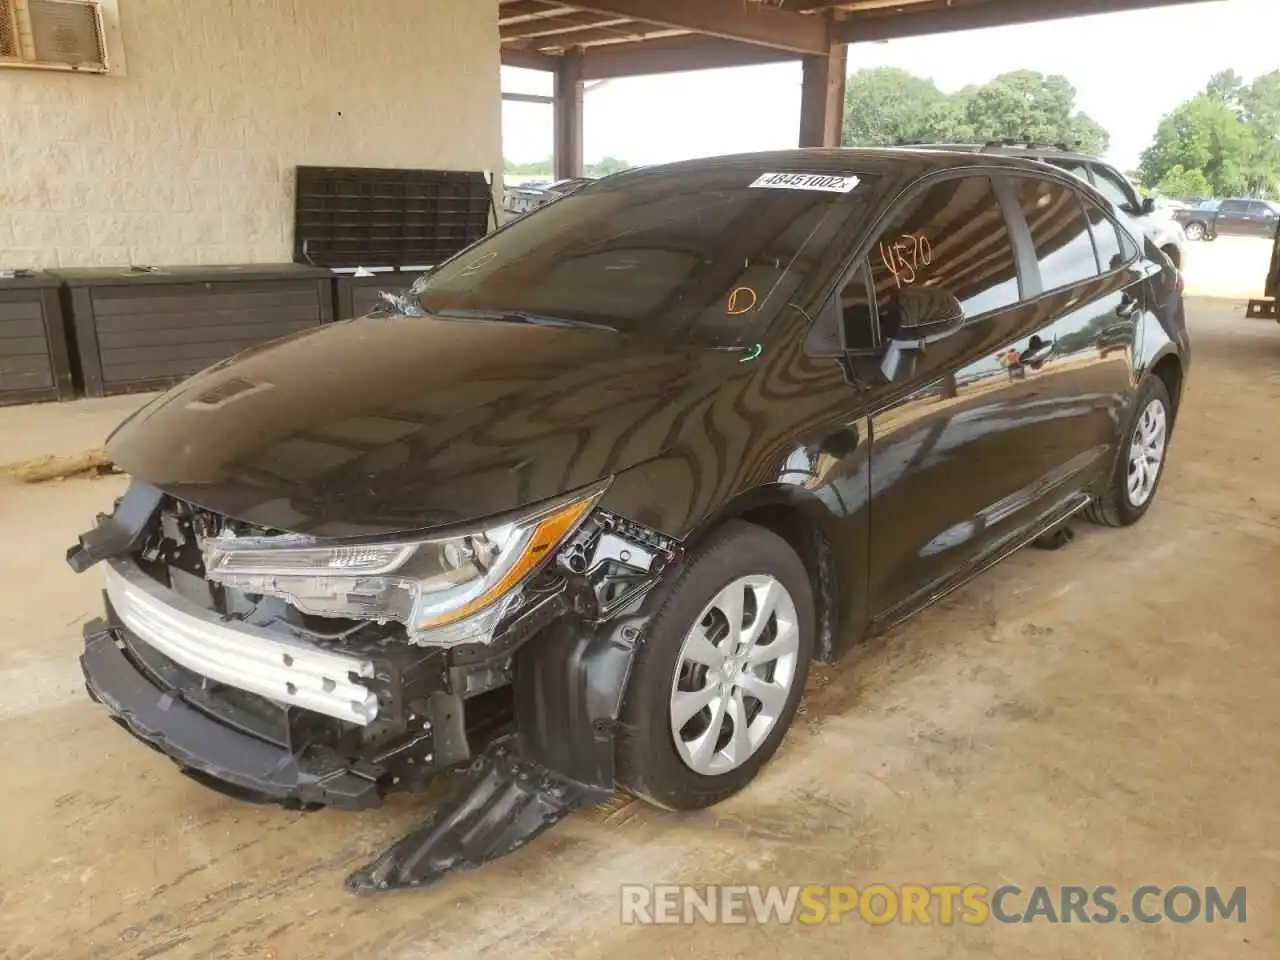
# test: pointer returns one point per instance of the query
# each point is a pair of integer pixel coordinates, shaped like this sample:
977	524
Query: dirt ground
1104	714
1227	267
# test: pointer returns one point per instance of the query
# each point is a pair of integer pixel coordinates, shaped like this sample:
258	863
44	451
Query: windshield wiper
518	316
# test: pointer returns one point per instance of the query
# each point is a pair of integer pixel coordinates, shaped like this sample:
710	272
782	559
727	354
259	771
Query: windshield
697	256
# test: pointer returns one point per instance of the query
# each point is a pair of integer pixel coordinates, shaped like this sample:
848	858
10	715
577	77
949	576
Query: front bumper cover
214	753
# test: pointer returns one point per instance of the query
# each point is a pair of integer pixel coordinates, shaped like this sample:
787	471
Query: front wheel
1194	230
717	680
1141	462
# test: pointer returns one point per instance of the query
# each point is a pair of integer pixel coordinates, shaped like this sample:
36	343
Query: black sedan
584	512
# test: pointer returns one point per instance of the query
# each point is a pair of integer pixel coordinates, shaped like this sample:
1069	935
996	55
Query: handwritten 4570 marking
905	256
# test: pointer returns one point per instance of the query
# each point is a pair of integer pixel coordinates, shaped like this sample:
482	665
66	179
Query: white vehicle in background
1155	219
519	200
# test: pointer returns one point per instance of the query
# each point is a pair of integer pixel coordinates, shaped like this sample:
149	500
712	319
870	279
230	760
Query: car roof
914	161
1013	148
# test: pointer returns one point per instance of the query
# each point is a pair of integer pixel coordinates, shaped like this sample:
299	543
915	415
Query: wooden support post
568	115
822	99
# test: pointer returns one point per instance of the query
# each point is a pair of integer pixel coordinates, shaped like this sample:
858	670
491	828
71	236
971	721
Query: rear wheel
718	678
1141	462
1195	230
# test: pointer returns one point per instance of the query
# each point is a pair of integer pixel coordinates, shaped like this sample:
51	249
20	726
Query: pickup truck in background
1235	217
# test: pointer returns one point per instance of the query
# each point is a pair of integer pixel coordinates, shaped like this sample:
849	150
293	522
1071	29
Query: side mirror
918	316
1148	205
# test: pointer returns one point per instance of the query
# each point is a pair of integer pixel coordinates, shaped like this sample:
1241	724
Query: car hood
379	425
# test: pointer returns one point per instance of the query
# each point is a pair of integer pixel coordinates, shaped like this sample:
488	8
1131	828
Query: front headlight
445	590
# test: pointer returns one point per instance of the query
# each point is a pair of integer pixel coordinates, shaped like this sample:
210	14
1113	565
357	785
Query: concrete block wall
189	157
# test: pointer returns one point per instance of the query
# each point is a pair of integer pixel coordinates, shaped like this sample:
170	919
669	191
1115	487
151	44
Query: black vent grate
363	216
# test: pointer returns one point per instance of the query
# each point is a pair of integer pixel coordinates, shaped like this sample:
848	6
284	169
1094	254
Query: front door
946	459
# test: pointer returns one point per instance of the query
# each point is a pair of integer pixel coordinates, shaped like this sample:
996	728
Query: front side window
952	236
696	257
1059	232
1234	206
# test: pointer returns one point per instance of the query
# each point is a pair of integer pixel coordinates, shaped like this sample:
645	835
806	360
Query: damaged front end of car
315	672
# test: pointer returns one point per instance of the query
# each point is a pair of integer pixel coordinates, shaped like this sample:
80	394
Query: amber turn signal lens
548	532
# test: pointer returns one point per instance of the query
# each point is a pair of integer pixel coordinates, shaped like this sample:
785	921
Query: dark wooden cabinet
34	364
145	330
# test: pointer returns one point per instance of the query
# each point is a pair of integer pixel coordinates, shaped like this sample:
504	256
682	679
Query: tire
649	763
1117	506
1195	230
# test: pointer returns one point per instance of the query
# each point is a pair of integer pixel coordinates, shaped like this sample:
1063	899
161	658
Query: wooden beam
521	9
528	59
973	16
672	54
604	35
541	26
567	116
527	97
822	99
745	22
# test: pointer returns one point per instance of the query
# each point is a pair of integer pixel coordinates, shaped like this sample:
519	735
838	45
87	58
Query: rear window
700	256
1106	238
1059	231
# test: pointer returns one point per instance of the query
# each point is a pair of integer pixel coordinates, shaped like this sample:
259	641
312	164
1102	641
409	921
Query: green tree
1225	85
1230	133
605	166
1179	182
1260	105
886	106
1027	105
1204	134
536	168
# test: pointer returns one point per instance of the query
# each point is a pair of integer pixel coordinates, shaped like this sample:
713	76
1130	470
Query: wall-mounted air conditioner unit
53	35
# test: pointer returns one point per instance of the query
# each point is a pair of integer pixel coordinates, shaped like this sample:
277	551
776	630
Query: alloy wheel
734	674
1146	452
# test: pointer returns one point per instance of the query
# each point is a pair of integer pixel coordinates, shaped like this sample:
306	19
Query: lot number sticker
805	181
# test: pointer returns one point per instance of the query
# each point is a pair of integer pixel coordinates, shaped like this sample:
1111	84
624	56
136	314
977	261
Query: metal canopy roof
626	37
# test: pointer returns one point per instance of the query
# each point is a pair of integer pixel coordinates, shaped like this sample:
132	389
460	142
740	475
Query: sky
1129	70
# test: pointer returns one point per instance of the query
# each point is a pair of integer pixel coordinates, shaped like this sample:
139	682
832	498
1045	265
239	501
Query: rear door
1079	367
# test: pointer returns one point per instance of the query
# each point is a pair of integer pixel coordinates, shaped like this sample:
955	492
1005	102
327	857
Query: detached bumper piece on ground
530	726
